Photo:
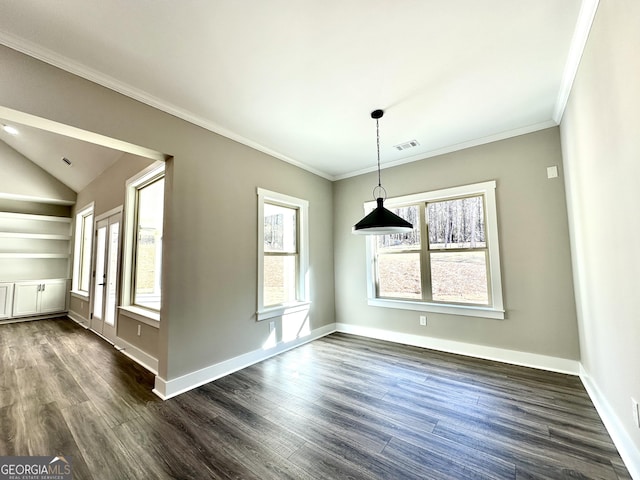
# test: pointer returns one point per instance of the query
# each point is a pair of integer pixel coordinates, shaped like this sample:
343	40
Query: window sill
141	315
281	310
80	295
466	310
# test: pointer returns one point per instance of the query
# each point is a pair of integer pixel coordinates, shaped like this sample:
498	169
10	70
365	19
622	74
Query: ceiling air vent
406	145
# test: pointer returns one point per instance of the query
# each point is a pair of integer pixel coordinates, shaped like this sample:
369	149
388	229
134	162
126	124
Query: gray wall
147	341
210	265
108	192
534	244
21	177
601	149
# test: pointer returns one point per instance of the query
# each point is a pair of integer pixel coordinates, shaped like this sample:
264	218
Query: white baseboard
167	389
625	445
79	319
137	355
130	350
525	359
31	319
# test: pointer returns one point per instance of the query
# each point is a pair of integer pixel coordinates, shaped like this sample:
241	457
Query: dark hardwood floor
340	407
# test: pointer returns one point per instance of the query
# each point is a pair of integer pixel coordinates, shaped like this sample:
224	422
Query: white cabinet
6	300
39	297
53	296
26	299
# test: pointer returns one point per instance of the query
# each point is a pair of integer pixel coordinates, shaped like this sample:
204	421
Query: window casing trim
302	288
496	310
146	177
78	258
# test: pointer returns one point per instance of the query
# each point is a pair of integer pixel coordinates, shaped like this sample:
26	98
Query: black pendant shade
381	221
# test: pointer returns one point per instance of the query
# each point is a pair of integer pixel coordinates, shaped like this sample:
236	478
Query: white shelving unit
34	249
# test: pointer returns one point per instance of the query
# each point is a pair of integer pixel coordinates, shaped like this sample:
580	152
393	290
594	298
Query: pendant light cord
378	146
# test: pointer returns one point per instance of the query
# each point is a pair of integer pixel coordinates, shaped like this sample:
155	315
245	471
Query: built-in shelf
33	255
35	236
34	247
31	218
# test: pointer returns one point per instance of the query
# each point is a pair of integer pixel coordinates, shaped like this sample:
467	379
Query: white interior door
104	317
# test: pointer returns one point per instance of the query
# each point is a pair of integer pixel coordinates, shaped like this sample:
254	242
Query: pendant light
380	221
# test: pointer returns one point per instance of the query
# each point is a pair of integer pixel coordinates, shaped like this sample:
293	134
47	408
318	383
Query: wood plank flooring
342	407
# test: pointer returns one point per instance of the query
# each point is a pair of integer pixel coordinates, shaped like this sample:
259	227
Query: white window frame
78	258
147	176
496	309
303	299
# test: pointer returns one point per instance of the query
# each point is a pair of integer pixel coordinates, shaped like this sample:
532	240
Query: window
282	254
448	263
148	244
142	286
82	251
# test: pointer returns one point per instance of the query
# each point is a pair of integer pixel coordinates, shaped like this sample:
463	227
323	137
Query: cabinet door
26	299
53	296
6	299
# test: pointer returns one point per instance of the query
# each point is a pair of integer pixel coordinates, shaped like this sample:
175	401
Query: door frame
112	333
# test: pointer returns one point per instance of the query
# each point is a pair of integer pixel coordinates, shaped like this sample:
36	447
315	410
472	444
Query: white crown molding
95	76
583	26
578	43
454	148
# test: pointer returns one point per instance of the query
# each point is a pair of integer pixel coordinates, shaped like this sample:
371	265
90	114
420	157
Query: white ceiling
299	78
47	149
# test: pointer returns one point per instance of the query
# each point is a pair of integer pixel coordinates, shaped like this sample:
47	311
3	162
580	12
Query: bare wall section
534	244
601	150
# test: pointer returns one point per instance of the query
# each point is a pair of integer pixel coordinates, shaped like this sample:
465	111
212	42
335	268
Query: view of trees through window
455	259
456	223
280	254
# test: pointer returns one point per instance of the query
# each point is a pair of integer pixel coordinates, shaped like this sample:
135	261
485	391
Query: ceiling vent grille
406	145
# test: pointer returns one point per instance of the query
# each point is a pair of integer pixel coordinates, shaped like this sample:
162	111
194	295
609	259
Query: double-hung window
282	254
449	262
82	251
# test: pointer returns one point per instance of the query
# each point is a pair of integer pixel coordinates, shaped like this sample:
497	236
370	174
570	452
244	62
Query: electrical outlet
423	320
636	412
272	326
139	329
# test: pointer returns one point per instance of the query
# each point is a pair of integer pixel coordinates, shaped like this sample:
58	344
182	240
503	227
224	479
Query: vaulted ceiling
299	78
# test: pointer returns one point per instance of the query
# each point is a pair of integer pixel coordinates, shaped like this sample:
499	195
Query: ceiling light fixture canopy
380	221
